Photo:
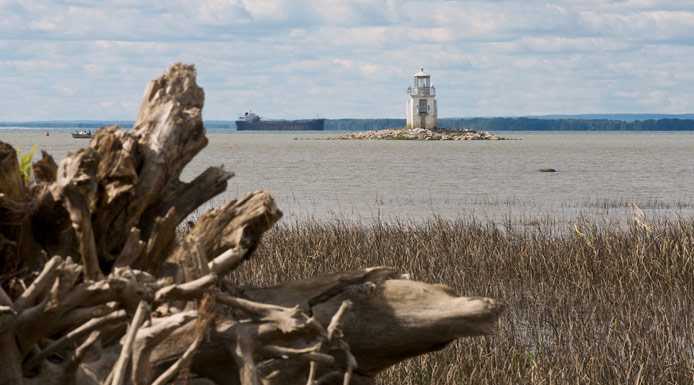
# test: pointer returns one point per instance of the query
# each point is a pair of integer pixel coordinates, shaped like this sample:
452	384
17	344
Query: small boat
82	134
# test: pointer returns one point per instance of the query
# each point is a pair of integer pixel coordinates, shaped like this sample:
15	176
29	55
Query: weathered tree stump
95	288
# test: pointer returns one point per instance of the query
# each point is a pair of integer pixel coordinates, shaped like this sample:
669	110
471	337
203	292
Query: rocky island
419	134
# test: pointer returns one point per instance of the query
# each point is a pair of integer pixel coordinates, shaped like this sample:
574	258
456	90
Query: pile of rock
419	134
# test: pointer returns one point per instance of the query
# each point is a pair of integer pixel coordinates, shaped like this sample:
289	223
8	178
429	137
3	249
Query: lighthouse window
422	106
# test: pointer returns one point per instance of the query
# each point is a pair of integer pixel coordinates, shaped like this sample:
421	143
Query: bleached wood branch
81	315
189	196
227	261
148	338
160	240
351	362
197	264
254	309
68	275
333	335
334	328
275	320
75	185
131	250
74	335
181	363
242	352
92	293
119	369
186	291
306	354
232	231
39	285
73	361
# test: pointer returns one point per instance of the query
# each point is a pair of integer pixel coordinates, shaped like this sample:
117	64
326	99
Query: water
599	174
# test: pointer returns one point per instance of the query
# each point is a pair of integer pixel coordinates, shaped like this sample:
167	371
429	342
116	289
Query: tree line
477	124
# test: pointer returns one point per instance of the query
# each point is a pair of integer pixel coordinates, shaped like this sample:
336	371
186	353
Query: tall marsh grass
588	304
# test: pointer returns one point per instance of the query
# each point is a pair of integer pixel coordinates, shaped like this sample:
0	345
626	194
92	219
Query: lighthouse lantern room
421	106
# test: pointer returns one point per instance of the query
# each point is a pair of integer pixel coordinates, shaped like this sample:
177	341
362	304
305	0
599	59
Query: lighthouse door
422	106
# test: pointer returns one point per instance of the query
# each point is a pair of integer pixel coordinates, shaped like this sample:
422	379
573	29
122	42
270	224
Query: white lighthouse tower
421	107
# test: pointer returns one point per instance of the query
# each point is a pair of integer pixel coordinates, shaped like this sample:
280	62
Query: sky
91	60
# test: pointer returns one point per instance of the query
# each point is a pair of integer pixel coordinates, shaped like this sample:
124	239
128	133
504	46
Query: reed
591	304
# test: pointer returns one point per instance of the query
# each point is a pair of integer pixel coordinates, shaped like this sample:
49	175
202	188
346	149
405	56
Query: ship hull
282	125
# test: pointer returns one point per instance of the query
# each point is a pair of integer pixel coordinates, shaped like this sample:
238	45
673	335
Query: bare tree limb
75	185
337	321
45	169
131	250
189	196
257	310
12	182
351	362
181	363
161	239
68	275
72	363
238	225
242	352
148	338
73	336
39	285
307	354
81	315
121	366
227	261
186	291
196	265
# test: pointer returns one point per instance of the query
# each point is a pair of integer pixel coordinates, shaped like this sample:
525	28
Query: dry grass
591	305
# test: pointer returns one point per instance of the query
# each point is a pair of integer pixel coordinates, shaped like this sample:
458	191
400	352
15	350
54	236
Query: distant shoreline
684	122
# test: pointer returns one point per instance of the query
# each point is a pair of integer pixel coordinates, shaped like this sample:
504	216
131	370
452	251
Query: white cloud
217	12
486	57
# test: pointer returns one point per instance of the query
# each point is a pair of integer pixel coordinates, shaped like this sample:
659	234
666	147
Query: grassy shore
591	304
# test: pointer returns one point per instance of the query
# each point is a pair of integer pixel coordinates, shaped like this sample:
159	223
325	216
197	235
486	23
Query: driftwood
97	288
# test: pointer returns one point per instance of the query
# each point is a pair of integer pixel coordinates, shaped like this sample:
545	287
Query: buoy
47	134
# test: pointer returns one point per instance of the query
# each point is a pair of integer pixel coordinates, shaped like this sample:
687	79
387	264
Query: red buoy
47	133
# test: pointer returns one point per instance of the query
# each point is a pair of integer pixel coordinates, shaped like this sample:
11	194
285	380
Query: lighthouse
421	106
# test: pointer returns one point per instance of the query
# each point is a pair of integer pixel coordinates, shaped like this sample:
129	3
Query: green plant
25	162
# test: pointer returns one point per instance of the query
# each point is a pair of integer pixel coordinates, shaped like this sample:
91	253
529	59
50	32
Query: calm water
598	174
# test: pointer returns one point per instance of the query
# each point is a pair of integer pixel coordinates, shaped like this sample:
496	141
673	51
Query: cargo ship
250	121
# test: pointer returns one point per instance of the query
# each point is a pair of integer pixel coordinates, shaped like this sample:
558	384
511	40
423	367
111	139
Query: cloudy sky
348	58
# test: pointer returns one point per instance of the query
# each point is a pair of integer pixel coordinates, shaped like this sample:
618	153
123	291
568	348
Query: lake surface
599	174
